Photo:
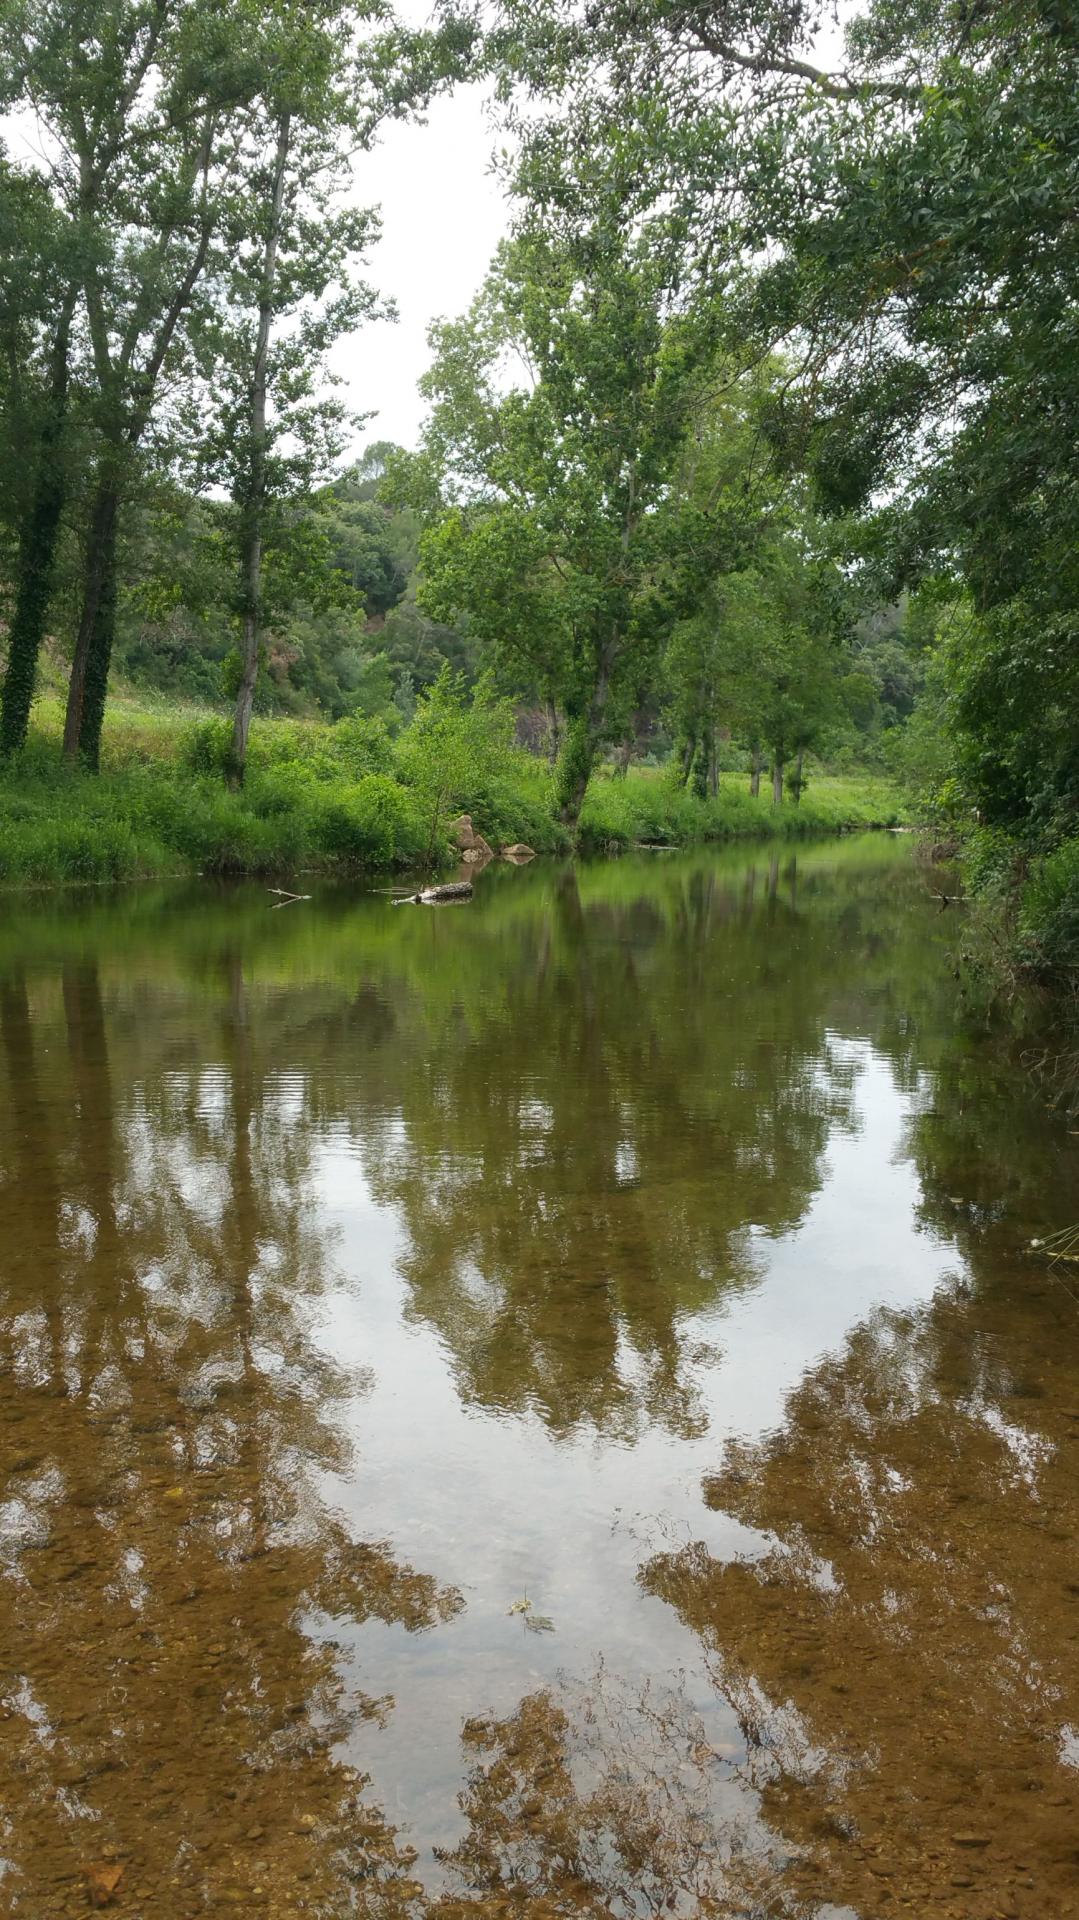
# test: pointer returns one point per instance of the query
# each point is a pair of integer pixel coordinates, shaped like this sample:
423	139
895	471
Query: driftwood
438	896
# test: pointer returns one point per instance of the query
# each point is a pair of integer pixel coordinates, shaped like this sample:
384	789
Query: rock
463	834
518	852
472	844
969	1839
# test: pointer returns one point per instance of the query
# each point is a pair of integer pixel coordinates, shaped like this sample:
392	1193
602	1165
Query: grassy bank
326	797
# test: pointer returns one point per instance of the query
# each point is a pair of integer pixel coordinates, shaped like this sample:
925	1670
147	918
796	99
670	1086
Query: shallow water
542	1407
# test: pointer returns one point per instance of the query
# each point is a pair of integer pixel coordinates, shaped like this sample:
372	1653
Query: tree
135	105
910	217
38	292
153	116
292	243
292	281
564	536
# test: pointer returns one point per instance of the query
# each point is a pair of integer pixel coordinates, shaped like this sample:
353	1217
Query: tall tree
332	73
910	211
285	291
38	293
565	538
135	104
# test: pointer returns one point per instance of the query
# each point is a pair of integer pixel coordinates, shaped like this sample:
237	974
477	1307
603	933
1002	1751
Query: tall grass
651	810
321	796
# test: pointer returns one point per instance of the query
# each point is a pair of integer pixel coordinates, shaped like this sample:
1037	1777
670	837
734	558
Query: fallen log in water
437	896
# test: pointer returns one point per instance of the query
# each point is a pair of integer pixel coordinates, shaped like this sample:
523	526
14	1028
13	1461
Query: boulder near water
474	847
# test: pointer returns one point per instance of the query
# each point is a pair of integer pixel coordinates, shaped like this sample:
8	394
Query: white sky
443	215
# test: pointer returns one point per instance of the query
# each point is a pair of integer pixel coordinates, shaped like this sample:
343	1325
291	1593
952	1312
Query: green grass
337	797
649	808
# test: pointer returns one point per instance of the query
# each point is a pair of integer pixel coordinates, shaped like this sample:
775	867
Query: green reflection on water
590	1108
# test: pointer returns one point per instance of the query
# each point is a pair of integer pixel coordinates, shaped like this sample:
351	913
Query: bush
460	753
322	795
205	746
370	823
1049	911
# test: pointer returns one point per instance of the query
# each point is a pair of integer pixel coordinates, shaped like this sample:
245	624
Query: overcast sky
442	217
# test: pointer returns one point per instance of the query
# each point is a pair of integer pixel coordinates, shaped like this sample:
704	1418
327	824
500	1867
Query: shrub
455	750
319	794
205	746
370	823
1049	911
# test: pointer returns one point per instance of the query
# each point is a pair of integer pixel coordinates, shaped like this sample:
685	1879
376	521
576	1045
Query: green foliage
344	628
659	811
1048	922
371	823
453	749
568	539
904	226
197	191
343	796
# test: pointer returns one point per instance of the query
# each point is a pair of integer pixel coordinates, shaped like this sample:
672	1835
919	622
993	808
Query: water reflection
902	1647
165	1415
365	1271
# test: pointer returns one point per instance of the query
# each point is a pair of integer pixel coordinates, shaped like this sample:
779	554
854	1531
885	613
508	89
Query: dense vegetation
318	795
755	455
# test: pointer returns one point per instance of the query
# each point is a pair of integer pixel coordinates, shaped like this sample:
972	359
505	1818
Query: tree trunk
777	782
93	642
713	763
255	502
688	750
755	772
38	540
583	735
554	731
796	783
130	399
575	769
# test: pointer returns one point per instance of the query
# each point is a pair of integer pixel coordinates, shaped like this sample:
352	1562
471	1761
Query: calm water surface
541	1408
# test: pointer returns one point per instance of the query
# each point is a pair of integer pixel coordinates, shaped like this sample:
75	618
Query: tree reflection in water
592	1110
164	1419
904	1653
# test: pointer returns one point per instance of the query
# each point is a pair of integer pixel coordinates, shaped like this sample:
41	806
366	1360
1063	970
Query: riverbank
329	798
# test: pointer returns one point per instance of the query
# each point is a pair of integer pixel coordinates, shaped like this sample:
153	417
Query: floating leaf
535	1622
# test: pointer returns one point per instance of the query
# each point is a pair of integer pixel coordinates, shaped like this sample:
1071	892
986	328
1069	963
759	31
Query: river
542	1407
